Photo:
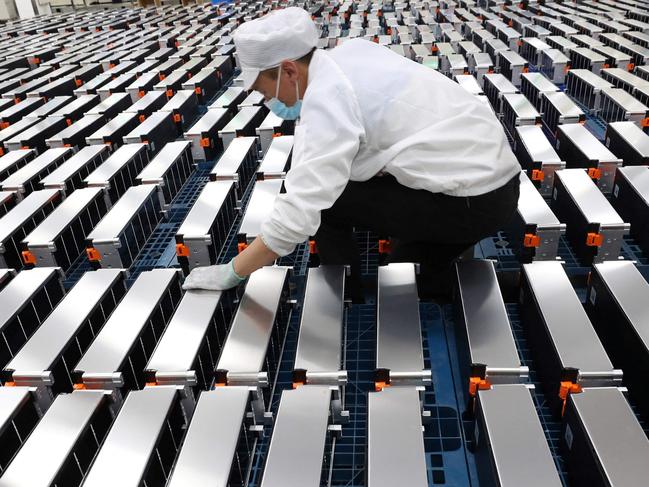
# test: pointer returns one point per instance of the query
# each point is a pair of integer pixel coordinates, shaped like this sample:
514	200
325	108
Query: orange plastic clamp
220	384
170	93
77	387
518	43
594	173
93	254
531	240
630	66
205	142
151	383
37	60
141	118
28	257
278	134
297	384
478	384
566	69
68	121
537	175
379	386
25	147
182	250
111	66
2	151
198	90
644	122
606	65
385	246
526	70
434	49
140	93
162	76
241	246
566	388
312	247
177	118
594	240
4	125
78	82
10	384
16	100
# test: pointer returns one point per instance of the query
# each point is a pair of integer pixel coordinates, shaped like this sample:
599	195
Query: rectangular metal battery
91	86
517	111
77	108
586	87
154	439
172	82
26	301
510	441
118	172
14	129
64	441
19	414
188	350
145	83
258	209
49	107
158	129
70	175
627	141
111	106
277	160
271	127
149	103
555	64
618	106
19	110
244	122
61	86
45	361
532	49
7	202
118	238
533	85
469	83
230	99
511	65
580	148
495	86
117	356
395	426
238	163
183	106
205	84
14	160
75	135
559	109
203	233
169	170
614	58
36	135
534	231
203	135
252	350
220	441
111	134
27	178
594	229
297	433
566	349
602	441
631	201
537	156
224	66
487	349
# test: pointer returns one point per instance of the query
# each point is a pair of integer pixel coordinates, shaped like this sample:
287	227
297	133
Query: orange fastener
141	118
16	100
241	246
379	386
566	69
10	384
28	257
566	388
385	246
2	151
140	93
198	90
78	386
177	118
206	142
151	383
182	250
644	122
606	66
537	175
594	240
526	70
68	121
297	384
594	173
478	384
277	134
531	240
4	125
312	247
630	66
162	76
170	93
78	82
93	254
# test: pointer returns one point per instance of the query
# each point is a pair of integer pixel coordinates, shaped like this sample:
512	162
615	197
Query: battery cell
586	87
14	160
158	129
59	239
205	143
277	160
36	135
111	106
70	175
631	201
113	132
238	163
75	135
244	122
627	141
183	106
169	170
118	238
26	179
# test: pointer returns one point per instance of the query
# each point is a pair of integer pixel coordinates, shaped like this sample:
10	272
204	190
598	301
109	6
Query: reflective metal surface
587	143
232	158
24	211
59	328
320	339
60	175
532	207
247	341
199	219
277	157
638	178
259	207
537	145
398	329
300	432
118	217
514	438
209	449
35	167
21	288
11	400
395	443
124	456
592	203
161	163
42	456
114	163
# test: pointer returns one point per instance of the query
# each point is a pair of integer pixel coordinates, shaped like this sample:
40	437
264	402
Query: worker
381	143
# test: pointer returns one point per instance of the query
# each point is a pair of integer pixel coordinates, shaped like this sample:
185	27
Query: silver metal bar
320	339
238	163
510	442
489	351
150	423
69	175
537	156
603	440
300	431
203	135
25	180
220	440
277	159
628	142
244	122
52	445
155	131
395	442
259	208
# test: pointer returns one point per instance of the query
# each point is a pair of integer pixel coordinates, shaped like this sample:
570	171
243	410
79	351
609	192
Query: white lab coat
368	110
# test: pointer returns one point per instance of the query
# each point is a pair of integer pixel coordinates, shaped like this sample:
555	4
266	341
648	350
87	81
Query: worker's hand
213	277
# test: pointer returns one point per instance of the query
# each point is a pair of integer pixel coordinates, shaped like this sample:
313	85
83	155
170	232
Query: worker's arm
253	257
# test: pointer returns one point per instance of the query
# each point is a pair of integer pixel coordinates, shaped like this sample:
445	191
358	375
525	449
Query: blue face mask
279	108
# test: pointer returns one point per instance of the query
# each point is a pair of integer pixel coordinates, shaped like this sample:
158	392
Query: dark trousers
431	229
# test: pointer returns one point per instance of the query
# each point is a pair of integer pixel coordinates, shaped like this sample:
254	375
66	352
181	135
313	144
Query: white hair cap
286	34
